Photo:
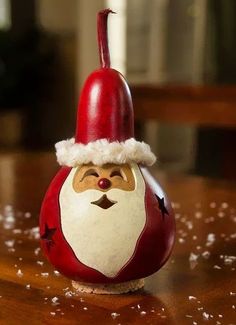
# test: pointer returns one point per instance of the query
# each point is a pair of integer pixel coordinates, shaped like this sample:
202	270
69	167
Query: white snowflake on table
44	274
19	273
114	315
55	301
10	243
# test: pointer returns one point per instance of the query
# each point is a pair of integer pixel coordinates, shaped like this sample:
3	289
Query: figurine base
108	288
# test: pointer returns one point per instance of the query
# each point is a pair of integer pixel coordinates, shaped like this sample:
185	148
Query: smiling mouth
104	202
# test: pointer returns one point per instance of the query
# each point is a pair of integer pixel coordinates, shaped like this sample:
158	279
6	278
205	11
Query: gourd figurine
105	222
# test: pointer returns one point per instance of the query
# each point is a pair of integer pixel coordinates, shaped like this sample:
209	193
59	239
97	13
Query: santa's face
103	214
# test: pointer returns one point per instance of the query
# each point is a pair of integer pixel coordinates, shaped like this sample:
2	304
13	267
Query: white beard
103	239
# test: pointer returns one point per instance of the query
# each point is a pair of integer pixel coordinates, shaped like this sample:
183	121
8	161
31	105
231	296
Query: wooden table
200	291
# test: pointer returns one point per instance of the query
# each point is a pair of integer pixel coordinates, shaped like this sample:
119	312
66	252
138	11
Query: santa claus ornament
105	222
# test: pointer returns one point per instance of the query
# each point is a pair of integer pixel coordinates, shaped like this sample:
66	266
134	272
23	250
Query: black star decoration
48	236
162	206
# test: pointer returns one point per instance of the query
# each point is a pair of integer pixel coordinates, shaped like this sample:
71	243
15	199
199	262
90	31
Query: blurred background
179	57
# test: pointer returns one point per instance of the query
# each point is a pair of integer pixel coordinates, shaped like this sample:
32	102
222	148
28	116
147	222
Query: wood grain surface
196	286
205	106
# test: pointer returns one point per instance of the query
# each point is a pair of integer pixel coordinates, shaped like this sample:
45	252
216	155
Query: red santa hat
105	122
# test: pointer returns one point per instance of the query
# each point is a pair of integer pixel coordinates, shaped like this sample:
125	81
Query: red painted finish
105	111
104	183
105	108
152	249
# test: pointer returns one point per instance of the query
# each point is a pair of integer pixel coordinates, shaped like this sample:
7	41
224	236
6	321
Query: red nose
104	183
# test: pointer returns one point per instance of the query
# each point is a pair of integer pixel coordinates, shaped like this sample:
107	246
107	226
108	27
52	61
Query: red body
152	248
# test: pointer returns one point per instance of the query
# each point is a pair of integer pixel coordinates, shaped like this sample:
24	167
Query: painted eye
90	172
116	173
120	173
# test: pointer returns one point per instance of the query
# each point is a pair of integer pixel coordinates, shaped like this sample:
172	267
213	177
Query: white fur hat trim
102	152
